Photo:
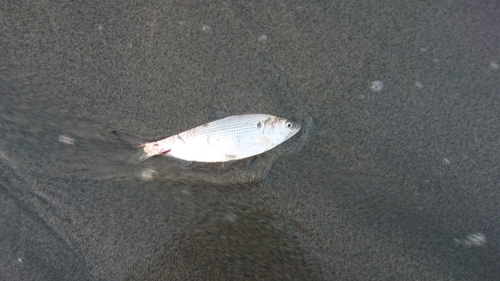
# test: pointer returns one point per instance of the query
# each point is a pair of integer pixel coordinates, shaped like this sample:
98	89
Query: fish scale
231	138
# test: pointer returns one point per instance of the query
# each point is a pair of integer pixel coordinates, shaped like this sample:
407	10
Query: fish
228	139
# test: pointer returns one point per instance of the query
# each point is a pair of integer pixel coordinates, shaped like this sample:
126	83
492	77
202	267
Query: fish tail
139	156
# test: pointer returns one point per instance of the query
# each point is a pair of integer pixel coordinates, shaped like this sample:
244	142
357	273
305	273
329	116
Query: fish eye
259	125
288	124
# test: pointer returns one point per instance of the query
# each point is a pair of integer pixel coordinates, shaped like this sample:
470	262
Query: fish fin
138	157
218	114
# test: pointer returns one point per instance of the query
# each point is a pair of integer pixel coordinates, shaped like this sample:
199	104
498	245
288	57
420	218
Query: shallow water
393	176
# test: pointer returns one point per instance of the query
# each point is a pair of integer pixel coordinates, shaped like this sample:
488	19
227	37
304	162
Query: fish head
284	128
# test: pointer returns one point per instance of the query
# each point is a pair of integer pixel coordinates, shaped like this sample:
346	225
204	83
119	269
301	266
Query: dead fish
231	138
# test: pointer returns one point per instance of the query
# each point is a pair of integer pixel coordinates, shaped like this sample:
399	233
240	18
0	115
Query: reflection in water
232	245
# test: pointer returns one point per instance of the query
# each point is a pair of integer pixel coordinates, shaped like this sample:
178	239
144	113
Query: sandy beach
394	176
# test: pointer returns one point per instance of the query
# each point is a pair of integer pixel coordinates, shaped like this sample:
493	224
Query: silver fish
231	138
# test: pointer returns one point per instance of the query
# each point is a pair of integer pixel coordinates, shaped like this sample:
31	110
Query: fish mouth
295	126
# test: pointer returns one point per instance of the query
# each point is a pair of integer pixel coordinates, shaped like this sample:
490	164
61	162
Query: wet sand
395	175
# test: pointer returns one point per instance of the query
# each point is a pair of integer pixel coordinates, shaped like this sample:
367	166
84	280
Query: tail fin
139	156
